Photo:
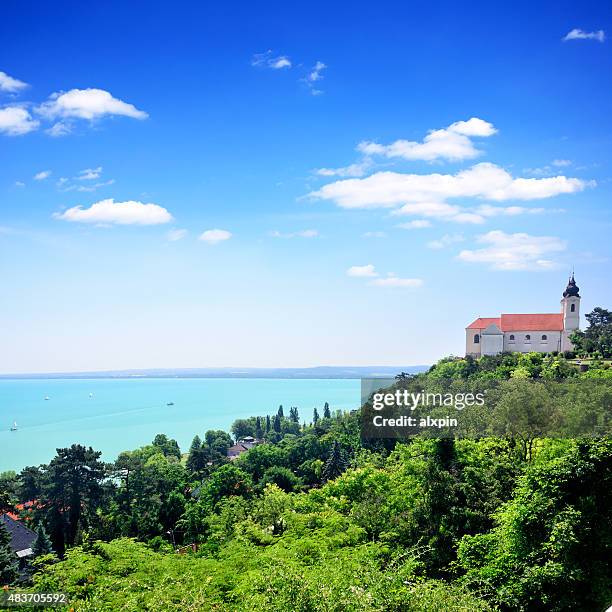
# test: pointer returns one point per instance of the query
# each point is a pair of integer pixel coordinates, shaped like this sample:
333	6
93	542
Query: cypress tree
195	456
277	423
294	414
280	412
326	411
267	423
336	462
315	416
42	544
258	428
8	559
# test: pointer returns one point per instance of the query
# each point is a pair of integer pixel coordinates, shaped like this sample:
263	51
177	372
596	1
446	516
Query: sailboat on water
14	426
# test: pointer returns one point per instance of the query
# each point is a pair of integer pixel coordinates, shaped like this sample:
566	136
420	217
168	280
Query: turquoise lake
113	415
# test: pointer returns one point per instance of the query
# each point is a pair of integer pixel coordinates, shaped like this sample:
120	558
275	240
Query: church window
544	337
527	337
573	308
476	339
512	337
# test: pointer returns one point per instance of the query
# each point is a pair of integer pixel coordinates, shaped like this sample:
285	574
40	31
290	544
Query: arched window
573	308
544	337
476	339
511	336
527	337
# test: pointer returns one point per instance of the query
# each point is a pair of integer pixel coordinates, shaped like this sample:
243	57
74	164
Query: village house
241	446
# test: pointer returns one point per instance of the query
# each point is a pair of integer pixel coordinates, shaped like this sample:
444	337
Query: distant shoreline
304	373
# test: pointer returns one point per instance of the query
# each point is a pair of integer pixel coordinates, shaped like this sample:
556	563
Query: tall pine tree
326	411
8	559
336	462
42	544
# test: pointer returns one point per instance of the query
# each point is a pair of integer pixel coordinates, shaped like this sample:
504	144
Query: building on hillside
22	538
241	446
525	333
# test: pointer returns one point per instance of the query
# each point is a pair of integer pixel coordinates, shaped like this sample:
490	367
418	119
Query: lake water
113	415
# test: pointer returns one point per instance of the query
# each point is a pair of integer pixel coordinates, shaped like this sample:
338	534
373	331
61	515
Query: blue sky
260	185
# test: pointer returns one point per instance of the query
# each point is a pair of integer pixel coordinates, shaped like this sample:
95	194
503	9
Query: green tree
550	549
280	412
227	481
282	477
315	416
336	462
195	458
241	428
259	432
42	545
597	338
30	483
277	423
8	559
167	446
326	411
294	414
73	490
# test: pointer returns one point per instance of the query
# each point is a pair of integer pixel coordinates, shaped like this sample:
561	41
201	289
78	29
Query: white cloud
268	60
16	121
176	234
11	85
415	224
117	213
358	169
445	241
484	180
514	251
90	174
88	104
578	34
19	184
397	282
59	129
309	233
315	75
214	236
362	271
561	162
41	176
486	210
452	143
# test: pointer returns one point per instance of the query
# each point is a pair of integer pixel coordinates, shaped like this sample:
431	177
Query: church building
525	333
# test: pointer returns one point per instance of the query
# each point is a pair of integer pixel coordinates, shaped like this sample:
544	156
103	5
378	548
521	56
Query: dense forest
315	518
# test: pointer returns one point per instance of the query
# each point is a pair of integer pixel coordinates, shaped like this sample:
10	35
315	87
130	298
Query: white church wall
492	344
471	347
535	343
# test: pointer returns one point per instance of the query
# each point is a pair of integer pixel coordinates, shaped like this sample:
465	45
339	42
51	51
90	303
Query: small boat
14	426
90	395
47	398
170	404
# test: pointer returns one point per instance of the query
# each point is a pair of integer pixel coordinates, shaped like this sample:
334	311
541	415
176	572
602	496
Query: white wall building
524	333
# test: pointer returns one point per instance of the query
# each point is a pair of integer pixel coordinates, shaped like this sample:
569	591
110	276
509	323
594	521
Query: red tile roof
484	322
532	322
521	322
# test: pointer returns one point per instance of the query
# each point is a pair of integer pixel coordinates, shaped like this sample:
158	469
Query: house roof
532	322
484	322
521	322
22	538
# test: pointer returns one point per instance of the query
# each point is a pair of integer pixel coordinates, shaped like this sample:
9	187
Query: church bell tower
570	306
